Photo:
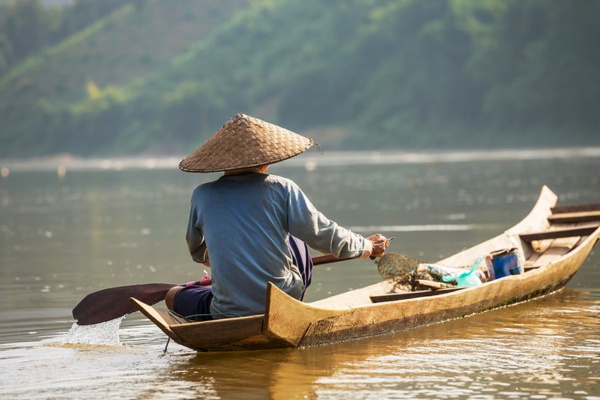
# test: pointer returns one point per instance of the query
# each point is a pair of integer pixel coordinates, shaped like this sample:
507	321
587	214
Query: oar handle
328	259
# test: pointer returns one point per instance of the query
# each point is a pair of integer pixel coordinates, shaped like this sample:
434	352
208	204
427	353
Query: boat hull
550	264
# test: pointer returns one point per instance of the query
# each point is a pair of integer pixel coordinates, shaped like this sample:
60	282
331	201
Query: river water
72	227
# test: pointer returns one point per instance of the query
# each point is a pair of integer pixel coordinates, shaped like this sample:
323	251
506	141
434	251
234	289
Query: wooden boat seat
582	216
575	208
575	213
559	233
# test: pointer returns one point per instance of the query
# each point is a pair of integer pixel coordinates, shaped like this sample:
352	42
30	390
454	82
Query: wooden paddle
111	303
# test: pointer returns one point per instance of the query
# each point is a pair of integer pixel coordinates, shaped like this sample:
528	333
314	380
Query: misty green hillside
158	75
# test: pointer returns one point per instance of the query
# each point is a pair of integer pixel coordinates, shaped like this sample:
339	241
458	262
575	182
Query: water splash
106	333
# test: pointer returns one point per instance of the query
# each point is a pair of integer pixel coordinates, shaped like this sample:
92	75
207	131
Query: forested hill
105	77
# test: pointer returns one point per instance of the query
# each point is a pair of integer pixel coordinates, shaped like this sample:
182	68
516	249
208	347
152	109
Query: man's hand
380	243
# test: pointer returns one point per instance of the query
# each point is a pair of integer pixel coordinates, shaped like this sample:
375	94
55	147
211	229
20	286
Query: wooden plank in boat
434	285
549	256
559	233
557	248
575	208
582	216
410	295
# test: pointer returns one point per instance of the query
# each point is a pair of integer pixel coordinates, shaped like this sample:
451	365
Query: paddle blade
111	303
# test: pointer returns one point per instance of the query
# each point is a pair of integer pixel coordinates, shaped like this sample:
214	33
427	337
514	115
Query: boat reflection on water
540	347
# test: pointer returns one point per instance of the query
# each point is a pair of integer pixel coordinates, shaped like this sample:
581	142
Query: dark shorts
193	302
302	260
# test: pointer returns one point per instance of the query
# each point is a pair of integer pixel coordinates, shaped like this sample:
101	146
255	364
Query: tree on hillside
27	26
537	71
6	55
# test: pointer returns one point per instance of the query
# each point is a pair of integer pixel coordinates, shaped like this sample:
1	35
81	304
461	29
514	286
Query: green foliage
6	54
27	26
189	108
541	68
115	76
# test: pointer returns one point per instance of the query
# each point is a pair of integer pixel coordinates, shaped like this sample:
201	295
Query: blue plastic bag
467	278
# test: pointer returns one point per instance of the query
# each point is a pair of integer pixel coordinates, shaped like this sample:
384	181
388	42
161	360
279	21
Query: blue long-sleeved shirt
241	224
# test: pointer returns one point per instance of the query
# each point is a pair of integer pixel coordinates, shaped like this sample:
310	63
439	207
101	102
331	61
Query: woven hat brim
245	142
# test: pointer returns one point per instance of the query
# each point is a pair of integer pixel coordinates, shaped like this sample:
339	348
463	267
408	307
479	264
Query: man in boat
251	227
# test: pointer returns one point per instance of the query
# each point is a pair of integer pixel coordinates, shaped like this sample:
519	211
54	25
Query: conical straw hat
245	142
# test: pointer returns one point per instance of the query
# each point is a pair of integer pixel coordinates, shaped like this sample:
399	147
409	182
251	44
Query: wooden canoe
553	241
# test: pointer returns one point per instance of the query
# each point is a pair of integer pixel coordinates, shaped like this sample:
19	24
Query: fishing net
406	273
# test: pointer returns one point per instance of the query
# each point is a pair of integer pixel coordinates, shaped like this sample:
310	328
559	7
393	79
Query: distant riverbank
311	159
